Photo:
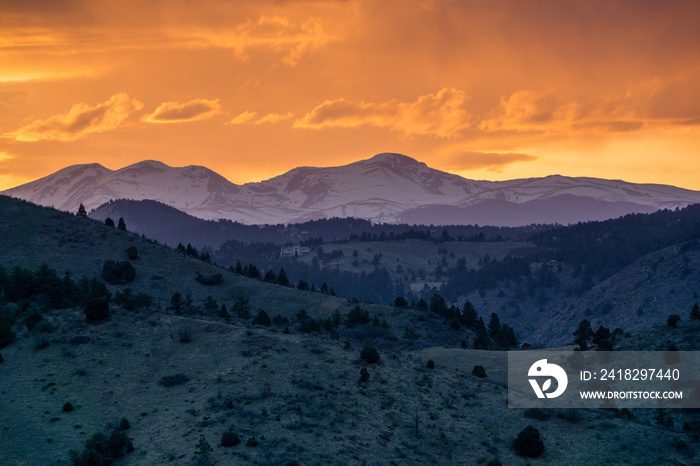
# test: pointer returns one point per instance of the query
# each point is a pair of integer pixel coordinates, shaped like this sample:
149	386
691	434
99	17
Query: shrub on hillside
215	279
673	320
357	316
68	407
132	253
262	319
528	443
32	319
96	310
123	424
479	371
184	334
6	334
400	302
431	364
230	439
130	301
101	450
369	354
173	380
364	375
118	273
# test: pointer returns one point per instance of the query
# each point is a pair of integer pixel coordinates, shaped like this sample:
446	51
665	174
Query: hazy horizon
274	175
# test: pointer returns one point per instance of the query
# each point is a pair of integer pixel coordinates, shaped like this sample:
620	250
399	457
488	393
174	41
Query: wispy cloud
81	120
250	118
274	118
175	112
441	115
492	161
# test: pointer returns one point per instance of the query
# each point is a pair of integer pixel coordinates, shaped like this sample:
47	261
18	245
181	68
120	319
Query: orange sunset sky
485	89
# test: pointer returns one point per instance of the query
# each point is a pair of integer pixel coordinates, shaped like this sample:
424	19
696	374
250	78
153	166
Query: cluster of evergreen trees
604	248
191	251
49	291
46	290
602	338
461	280
496	335
280	278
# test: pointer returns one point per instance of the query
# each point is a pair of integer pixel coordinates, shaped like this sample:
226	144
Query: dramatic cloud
551	113
441	115
493	161
276	33
594	88
250	118
175	112
79	121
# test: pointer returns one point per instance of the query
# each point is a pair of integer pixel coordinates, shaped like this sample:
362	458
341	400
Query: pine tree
210	304
583	333
109	222
469	315
445	236
262	319
282	278
241	308
494	324
176	302
270	276
506	336
121	225
482	339
437	304
81	211
695	312
223	313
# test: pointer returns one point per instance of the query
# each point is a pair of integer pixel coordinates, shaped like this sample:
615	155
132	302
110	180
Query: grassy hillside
291	398
298	396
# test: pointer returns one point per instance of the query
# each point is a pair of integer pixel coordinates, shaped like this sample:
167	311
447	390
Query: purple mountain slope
388	188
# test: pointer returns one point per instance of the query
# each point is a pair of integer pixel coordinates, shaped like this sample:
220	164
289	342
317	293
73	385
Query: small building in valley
295	250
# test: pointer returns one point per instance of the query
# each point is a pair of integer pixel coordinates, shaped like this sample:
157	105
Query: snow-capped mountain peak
385	188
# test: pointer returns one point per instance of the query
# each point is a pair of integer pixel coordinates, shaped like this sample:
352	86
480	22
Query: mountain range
388	188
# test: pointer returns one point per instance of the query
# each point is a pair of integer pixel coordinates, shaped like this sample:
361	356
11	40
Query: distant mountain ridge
389	188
